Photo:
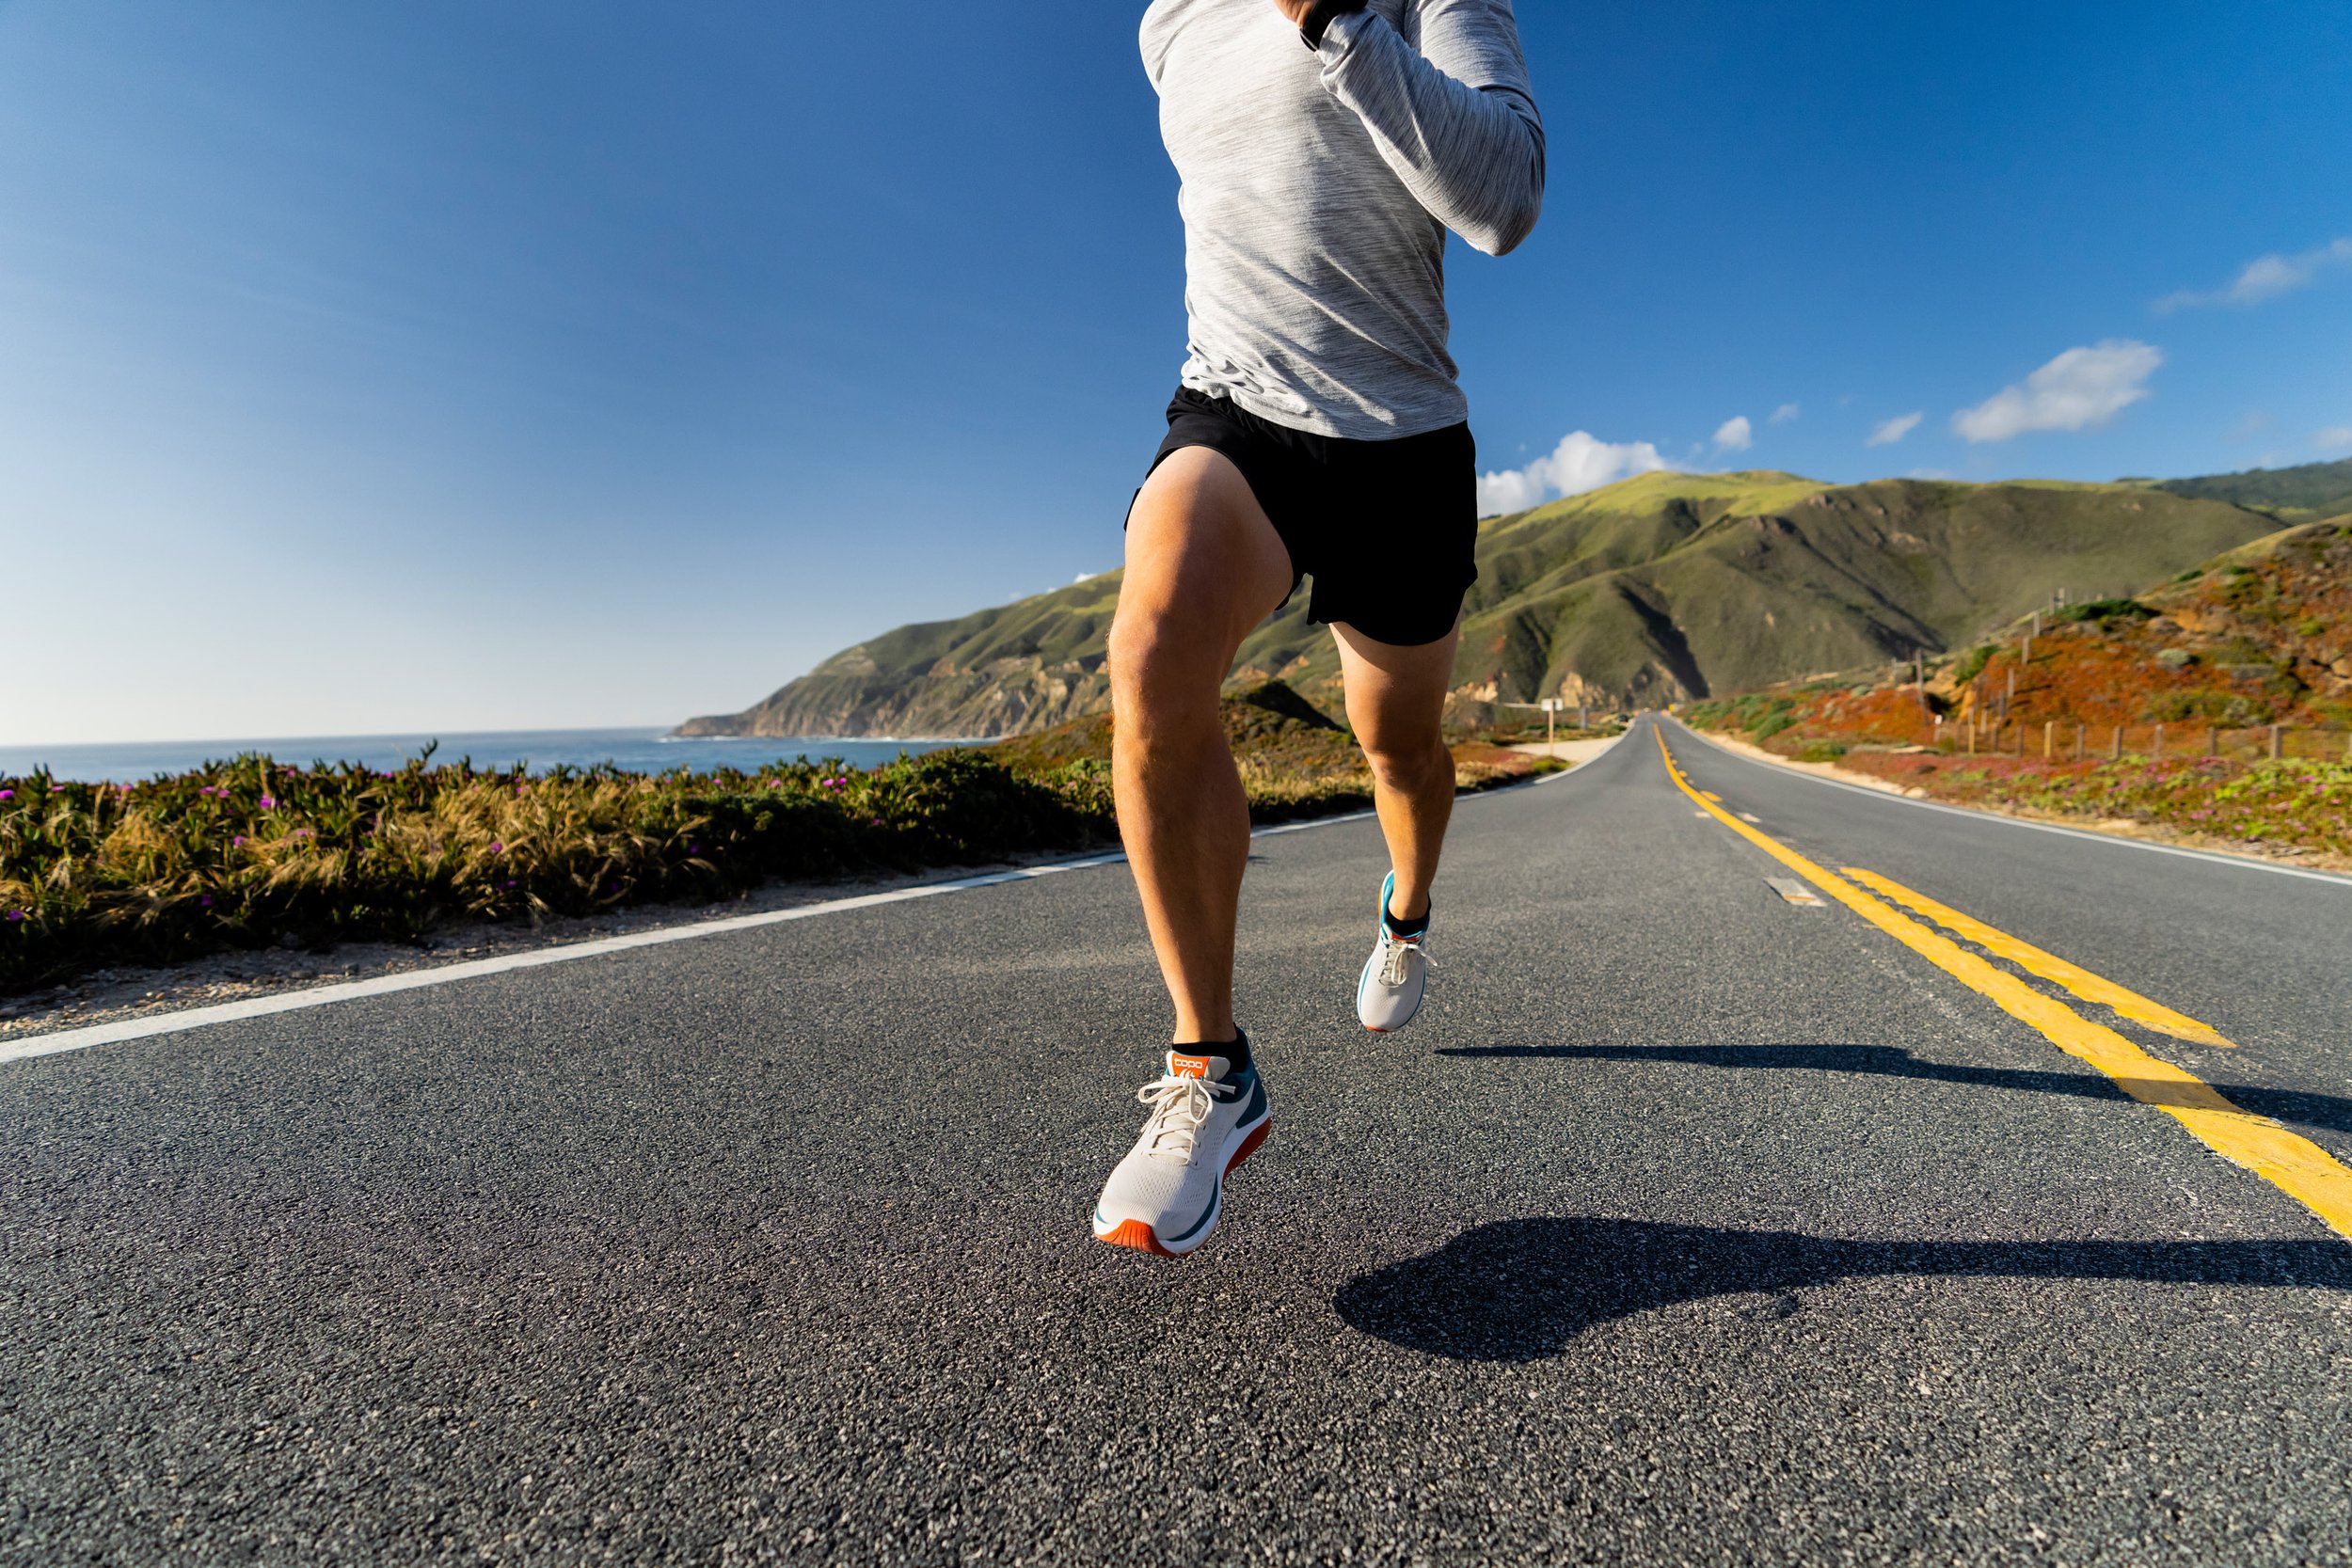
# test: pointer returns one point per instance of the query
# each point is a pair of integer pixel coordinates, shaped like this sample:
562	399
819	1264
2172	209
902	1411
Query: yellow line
2295	1165
2033	961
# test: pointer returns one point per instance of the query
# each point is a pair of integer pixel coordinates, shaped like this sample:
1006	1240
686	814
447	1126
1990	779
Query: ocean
647	751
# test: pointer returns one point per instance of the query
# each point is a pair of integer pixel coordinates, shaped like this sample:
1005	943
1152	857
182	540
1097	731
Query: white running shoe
1388	994
1165	1197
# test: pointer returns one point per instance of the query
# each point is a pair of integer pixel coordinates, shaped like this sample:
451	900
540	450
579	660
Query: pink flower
237	842
7	794
269	803
496	848
15	915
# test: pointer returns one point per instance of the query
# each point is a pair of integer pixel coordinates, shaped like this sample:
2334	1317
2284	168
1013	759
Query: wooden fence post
2049	738
2080	728
2119	743
2212	740
2274	741
2158	751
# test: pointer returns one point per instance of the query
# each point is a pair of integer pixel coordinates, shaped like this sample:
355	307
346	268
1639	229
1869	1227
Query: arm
1455	120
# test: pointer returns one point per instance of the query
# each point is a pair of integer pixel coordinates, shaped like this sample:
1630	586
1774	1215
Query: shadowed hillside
1657	589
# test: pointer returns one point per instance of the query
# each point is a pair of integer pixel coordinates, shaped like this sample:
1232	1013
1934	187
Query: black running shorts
1388	529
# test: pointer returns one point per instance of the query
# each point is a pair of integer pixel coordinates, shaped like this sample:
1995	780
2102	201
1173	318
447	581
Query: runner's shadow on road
2332	1112
1523	1290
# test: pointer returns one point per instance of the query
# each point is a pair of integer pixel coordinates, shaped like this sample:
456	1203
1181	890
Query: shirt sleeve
1455	119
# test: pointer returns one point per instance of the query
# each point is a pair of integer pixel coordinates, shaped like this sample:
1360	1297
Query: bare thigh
1395	694
1204	565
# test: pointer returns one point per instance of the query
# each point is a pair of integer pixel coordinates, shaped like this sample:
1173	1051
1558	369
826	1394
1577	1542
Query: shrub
1972	663
2109	613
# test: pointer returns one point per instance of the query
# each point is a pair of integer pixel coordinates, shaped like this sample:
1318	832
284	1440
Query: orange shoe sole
1136	1234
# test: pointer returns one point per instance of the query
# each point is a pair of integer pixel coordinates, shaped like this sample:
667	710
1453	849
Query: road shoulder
2119	828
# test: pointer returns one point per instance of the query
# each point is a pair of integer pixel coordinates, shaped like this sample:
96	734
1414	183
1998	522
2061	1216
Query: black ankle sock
1403	927
1235	1051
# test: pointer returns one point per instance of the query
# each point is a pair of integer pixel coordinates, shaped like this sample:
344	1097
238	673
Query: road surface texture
1688	1225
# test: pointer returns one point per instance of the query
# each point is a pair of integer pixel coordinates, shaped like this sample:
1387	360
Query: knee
1410	768
1159	675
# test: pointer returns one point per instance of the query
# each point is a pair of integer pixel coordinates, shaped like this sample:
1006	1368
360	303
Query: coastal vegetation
253	852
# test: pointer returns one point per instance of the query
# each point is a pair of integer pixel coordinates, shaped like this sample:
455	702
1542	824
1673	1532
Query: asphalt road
1688	1225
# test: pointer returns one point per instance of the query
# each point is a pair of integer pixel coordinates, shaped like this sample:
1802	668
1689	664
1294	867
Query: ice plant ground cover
252	852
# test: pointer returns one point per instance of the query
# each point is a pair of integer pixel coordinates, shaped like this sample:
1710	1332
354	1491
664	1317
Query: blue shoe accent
1379	924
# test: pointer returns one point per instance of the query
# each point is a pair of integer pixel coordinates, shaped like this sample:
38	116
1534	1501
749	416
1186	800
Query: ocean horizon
650	750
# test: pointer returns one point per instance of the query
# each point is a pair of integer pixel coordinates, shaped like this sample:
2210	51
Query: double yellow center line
2297	1166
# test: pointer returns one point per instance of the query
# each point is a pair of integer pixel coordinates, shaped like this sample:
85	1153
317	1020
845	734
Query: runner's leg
1203	567
1395	703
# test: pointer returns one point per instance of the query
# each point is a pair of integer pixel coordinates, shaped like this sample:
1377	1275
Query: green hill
1659	588
2312	490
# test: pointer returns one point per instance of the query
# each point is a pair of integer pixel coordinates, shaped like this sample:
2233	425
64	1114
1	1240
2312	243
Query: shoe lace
1180	1105
1393	949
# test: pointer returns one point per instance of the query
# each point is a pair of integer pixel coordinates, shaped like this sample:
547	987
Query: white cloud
1891	431
2081	388
2265	277
1735	434
2335	438
1782	415
1580	463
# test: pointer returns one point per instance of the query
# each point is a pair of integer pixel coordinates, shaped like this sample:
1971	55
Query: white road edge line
2244	863
417	979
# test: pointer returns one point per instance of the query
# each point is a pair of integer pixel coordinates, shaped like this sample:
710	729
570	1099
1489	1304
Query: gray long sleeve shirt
1317	188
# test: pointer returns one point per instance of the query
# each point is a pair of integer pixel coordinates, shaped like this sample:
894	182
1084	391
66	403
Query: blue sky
448	366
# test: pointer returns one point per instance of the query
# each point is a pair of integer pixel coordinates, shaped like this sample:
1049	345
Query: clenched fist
1311	16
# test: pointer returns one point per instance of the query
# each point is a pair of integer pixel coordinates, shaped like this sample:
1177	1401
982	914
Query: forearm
1471	152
